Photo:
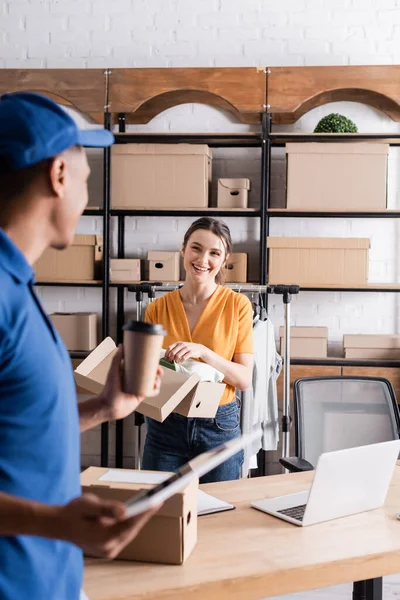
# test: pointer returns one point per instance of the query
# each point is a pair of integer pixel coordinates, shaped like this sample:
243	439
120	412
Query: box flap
175	387
87	240
306	332
162	256
371	341
204	402
91	373
162	149
235	184
337	148
306	242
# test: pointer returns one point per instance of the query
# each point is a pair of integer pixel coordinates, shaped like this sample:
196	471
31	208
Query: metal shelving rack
278	140
224	140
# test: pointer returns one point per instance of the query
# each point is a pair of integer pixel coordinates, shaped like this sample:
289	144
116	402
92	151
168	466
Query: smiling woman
208	322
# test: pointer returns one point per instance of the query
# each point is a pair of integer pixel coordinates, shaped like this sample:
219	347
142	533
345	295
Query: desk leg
370	589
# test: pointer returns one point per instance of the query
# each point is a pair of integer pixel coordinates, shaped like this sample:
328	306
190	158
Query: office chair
334	413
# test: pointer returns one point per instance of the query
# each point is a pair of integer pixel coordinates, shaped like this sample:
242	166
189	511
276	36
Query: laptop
195	468
346	482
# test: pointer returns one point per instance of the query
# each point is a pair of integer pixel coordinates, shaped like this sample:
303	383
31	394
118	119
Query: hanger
263	310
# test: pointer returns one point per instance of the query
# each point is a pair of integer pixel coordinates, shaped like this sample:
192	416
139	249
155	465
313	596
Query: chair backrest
334	413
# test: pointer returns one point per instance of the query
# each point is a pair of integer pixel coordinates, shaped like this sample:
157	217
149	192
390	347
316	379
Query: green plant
335	123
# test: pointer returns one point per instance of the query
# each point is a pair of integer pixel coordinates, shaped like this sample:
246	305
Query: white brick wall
149	33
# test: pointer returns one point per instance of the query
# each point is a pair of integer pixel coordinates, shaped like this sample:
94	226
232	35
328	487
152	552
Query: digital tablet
202	464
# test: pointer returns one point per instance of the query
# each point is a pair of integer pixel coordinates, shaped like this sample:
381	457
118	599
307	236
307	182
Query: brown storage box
170	535
160	175
180	394
124	269
236	269
233	193
337	176
163	266
78	330
372	346
306	342
318	261
79	262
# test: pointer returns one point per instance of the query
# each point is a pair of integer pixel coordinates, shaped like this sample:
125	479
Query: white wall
187	33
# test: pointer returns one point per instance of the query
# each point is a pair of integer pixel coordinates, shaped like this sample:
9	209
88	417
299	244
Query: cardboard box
318	261
79	262
233	193
160	175
124	269
78	330
306	342
163	266
187	396
236	268
372	346
337	176
170	535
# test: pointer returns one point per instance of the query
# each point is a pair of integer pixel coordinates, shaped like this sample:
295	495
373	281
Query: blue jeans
171	444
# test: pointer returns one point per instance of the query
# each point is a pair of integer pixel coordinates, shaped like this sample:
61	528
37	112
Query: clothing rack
286	291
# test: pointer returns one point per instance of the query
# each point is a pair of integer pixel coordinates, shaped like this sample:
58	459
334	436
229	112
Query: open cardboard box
187	396
170	535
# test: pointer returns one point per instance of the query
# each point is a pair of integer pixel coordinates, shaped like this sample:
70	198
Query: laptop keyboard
296	512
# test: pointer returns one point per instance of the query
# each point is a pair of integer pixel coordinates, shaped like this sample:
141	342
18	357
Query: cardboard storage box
318	261
124	269
306	342
160	175
170	535
372	346
233	193
236	268
338	176
180	394
79	262
163	266
78	330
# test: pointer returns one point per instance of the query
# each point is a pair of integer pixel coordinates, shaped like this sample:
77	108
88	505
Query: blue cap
33	128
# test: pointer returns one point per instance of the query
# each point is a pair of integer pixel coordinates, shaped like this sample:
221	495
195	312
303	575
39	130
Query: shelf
370	287
287	212
93	212
345	362
280	139
69	283
185	212
214	140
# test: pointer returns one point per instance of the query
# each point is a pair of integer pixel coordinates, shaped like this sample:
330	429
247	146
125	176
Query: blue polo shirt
39	434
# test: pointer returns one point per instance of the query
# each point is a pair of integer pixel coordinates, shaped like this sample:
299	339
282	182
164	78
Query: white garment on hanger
260	401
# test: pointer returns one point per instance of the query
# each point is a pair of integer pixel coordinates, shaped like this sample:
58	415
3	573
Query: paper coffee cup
142	348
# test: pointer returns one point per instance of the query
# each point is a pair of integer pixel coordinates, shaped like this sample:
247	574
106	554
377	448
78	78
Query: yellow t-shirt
225	326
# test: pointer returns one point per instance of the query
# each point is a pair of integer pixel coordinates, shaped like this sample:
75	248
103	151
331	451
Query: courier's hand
99	527
116	402
181	351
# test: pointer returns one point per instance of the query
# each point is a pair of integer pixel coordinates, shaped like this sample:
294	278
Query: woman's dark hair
220	229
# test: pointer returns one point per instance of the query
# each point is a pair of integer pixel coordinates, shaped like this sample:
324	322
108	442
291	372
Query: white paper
206	504
118	476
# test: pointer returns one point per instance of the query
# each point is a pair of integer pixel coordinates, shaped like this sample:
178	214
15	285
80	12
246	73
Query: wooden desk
246	555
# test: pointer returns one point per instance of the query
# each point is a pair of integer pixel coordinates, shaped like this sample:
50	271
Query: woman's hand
181	351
